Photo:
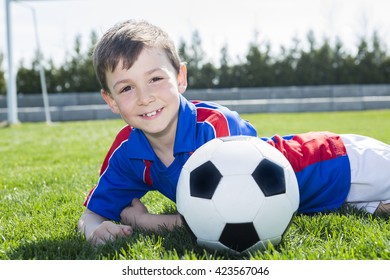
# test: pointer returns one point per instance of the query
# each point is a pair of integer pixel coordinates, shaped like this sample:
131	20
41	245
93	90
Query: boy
143	80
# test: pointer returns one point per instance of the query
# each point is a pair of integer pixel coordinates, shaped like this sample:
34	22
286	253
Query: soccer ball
237	193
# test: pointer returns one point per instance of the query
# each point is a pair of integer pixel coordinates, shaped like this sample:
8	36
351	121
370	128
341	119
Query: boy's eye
126	88
156	79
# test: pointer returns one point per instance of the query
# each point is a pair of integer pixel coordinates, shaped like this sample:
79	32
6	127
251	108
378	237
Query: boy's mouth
151	114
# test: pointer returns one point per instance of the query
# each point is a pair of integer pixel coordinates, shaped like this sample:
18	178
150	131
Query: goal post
11	82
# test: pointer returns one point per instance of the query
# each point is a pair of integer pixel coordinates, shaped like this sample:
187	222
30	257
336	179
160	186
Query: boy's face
147	94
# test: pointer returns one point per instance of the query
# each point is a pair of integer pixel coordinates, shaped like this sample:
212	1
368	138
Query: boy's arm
137	215
99	230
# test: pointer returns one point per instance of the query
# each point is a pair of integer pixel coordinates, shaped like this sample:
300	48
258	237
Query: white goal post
11	81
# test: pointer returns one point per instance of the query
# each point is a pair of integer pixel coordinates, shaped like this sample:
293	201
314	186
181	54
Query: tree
342	65
225	77
207	76
27	78
258	67
305	70
369	60
194	57
318	64
284	67
2	78
229	75
77	73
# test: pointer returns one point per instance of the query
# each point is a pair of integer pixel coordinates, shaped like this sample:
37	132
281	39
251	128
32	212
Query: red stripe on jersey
147	177
122	136
216	119
306	149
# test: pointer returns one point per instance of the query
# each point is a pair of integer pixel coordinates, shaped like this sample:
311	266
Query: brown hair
125	41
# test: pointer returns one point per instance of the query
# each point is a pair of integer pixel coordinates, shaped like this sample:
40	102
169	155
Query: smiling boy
143	80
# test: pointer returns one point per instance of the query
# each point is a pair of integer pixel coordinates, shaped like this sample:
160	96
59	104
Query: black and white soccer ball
237	193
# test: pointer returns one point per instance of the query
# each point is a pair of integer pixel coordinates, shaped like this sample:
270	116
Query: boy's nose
145	96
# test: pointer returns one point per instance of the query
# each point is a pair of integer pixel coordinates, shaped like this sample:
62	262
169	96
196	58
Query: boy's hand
99	230
109	231
137	215
134	214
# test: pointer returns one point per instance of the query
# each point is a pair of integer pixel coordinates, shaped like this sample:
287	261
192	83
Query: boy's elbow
83	221
81	224
89	221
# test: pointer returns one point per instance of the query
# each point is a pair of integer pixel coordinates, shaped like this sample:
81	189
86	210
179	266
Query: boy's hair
125	41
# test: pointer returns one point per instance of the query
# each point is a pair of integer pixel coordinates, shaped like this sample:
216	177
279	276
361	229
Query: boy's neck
164	153
163	147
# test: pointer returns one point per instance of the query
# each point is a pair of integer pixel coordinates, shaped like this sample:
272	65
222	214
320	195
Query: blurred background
226	43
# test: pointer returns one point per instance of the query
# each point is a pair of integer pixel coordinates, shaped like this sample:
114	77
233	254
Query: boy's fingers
135	201
127	230
101	240
119	230
112	231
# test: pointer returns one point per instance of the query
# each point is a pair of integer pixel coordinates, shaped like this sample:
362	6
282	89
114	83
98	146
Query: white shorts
370	171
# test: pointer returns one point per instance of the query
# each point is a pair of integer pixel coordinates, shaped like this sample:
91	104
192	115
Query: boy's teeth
151	114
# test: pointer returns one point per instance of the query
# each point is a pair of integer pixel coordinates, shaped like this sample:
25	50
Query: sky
219	22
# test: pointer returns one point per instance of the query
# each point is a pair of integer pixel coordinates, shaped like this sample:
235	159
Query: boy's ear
110	101
182	78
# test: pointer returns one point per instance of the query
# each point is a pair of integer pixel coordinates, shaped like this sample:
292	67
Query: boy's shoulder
121	137
124	132
206	104
207	110
211	108
222	120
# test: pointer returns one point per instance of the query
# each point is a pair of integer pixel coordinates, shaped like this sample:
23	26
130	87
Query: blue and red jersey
322	168
131	168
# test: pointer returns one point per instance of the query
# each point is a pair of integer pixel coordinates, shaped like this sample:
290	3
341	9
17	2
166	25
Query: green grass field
46	172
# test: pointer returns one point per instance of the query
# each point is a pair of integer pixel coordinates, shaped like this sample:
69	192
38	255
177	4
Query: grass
46	172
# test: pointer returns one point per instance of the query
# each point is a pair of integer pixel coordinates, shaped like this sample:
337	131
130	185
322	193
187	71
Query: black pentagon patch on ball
239	237
204	180
270	178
